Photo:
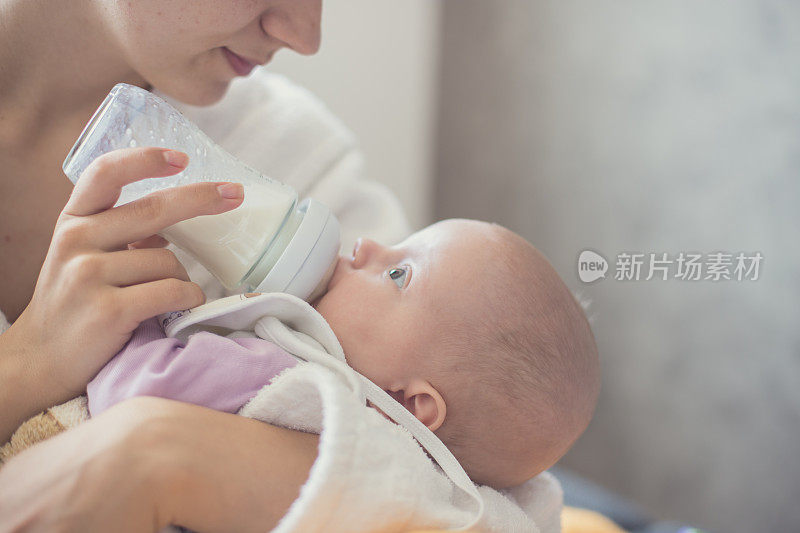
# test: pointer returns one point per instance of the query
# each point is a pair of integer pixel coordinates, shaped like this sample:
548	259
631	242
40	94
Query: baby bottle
270	243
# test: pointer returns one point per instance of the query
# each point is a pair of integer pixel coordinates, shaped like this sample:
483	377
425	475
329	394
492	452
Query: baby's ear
423	401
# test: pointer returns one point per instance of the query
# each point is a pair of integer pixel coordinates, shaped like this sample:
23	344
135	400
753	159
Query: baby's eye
398	275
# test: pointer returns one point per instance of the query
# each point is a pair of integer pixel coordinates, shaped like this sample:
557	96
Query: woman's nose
366	251
296	23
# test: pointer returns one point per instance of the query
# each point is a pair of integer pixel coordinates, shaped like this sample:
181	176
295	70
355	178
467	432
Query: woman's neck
57	62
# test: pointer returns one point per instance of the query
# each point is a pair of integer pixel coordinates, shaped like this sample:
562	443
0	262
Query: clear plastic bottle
269	243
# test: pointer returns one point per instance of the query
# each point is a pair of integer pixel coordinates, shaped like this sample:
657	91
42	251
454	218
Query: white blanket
371	475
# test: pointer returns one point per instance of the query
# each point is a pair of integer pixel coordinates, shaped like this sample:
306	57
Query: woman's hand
149	462
105	272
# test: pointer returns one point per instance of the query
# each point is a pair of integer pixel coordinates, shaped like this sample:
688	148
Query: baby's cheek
334	311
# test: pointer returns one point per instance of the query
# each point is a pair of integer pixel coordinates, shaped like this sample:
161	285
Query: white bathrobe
370	474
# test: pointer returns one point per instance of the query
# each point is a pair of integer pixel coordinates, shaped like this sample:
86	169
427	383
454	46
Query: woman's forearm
229	473
20	384
149	462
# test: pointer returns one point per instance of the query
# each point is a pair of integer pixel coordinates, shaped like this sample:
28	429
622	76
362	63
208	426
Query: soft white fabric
370	474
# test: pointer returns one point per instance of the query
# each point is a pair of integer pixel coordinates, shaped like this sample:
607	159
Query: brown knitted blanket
44	425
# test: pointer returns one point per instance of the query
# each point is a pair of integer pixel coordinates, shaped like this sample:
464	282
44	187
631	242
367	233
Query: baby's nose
365	251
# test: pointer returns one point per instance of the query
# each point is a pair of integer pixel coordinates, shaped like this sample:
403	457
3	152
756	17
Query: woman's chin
201	93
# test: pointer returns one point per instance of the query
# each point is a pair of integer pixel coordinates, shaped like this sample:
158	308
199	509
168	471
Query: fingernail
231	190
175	158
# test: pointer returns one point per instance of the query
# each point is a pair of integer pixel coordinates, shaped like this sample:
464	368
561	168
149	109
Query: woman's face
183	47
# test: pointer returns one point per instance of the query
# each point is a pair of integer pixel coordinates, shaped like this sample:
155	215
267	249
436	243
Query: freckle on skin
7	238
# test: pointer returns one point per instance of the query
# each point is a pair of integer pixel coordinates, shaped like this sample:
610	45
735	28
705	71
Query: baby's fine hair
522	368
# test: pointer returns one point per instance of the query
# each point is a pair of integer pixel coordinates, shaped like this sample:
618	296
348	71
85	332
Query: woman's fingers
152	281
129	267
153	241
146	300
101	183
115	228
95	291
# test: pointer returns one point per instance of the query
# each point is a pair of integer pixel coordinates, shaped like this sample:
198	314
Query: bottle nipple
322	286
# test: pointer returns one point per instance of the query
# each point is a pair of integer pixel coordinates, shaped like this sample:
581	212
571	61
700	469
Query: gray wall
651	126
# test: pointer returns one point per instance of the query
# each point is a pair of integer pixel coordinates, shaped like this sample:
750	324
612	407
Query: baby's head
470	328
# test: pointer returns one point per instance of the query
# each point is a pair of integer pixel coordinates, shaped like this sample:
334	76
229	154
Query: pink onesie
211	370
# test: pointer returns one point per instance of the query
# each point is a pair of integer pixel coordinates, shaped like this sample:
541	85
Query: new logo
591	266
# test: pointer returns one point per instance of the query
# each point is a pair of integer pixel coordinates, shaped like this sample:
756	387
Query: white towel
371	475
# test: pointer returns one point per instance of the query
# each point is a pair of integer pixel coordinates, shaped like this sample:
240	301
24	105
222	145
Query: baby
470	328
464	323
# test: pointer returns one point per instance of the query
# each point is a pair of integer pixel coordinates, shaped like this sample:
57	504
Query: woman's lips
240	65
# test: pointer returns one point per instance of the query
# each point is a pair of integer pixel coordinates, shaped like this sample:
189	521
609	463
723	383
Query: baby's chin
317	304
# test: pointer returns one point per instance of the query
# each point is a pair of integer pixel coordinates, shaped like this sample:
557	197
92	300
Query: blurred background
618	126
